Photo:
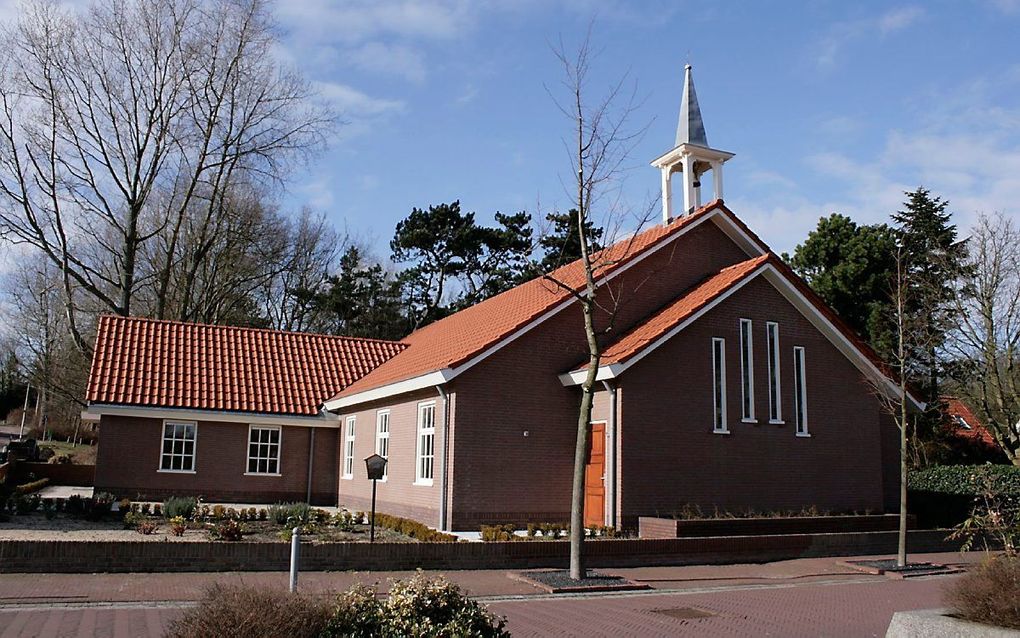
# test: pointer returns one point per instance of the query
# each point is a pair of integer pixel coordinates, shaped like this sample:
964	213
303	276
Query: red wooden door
594	477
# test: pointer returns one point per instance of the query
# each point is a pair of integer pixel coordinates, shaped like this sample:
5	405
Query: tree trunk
577	570
901	545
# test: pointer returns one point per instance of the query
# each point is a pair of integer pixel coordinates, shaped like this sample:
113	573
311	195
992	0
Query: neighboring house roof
152	363
966	425
446	347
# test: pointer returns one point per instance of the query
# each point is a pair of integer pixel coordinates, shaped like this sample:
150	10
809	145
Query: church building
725	383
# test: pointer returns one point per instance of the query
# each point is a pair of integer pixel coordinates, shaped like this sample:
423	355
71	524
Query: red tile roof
977	432
458	338
147	362
633	342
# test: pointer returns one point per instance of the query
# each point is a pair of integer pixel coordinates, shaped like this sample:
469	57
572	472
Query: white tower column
688	170
717	178
667	196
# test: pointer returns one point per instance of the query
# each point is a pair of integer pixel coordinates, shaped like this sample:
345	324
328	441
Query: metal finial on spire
691	128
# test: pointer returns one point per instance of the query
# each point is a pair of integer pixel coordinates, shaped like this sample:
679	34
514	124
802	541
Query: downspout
611	456
311	460
444	473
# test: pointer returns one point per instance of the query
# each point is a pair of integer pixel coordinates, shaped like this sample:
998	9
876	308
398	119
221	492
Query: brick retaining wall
655	527
151	556
57	473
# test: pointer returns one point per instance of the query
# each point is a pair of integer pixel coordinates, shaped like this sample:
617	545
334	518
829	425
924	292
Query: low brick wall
57	473
150	556
655	527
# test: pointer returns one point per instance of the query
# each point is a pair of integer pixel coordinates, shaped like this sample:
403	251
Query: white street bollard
295	543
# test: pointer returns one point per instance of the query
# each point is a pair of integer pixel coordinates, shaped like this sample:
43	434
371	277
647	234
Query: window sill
720	431
752	420
347	477
176	471
423	483
777	422
804	435
262	474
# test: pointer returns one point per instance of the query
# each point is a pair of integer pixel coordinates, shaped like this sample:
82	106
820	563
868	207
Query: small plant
439	604
25	504
232	514
988	593
492	533
359	518
178	525
124	505
229	530
532	530
49	509
146	527
253	514
75	505
263	514
157	509
179	506
132	519
248	611
343	521
146	508
219	512
290	513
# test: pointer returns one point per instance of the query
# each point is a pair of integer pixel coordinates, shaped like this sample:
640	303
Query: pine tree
561	245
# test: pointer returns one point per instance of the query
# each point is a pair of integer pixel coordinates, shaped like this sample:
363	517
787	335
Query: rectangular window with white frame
350	428
747	371
264	449
382	438
426	449
179	441
719	386
800	391
775	388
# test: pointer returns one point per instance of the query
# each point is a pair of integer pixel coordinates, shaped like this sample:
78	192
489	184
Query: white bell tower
692	157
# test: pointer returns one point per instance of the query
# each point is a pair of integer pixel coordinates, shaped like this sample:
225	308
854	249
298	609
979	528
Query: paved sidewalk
809	597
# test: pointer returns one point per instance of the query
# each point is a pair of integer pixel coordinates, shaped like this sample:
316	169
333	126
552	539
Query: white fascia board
421	382
95	411
577	376
835	335
698	151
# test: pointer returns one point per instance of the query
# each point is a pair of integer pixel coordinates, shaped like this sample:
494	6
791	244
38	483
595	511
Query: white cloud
354	103
830	46
390	59
1009	7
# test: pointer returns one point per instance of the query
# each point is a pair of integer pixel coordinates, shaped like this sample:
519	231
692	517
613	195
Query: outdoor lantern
376	466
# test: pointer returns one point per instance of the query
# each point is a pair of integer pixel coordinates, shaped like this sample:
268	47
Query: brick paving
810	597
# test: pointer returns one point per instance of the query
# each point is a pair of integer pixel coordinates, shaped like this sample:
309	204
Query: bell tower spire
691	156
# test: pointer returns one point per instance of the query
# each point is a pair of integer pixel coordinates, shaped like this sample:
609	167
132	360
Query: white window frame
162	442
350	431
800	391
250	458
775	379
719	421
382	439
421	432
747	371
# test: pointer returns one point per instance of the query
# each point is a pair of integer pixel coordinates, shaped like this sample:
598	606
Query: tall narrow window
426	453
775	396
746	371
178	454
800	391
263	449
382	438
349	431
719	385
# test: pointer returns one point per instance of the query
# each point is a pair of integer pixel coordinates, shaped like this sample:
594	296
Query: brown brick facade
127	464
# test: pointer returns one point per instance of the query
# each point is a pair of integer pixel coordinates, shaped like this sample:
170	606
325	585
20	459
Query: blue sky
829	106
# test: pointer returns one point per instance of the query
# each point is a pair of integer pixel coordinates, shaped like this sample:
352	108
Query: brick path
810	597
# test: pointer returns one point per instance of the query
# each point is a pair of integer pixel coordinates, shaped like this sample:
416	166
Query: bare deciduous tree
599	146
124	124
984	344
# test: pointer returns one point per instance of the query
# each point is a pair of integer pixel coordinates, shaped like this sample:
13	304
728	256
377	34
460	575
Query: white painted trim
162	440
418	455
96	411
774	362
719	392
800	386
799	301
730	228
421	382
279	449
378	438
350	436
747	371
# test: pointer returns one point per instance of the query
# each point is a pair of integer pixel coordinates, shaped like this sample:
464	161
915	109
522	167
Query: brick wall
127	464
670	457
142	556
652	527
57	473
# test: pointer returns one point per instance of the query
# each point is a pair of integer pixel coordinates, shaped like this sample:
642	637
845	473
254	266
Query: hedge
963	480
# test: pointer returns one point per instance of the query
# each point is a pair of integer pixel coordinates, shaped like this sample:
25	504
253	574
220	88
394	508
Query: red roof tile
974	429
147	362
458	338
646	333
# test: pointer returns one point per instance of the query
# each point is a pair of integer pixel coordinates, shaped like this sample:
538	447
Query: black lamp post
376	466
